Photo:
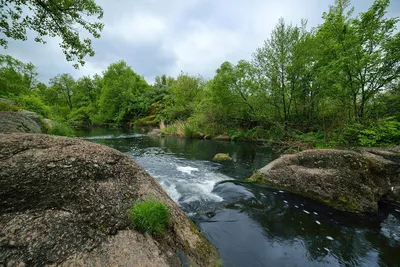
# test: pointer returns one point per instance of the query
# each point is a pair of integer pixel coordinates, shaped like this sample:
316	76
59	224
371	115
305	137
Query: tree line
337	83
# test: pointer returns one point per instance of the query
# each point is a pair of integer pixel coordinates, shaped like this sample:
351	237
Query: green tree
122	94
63	85
181	98
359	56
279	64
63	18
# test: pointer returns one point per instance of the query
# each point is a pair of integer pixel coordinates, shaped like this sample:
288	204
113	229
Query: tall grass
150	216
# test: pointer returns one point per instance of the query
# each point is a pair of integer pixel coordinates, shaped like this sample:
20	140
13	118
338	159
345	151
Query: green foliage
351	134
61	129
148	121
119	98
60	18
191	131
33	103
181	97
80	118
385	133
150	216
7	106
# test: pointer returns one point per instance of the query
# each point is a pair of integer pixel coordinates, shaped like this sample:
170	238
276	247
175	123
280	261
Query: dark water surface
252	225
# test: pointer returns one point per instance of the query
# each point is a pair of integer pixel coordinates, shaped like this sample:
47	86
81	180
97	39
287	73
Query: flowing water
253	225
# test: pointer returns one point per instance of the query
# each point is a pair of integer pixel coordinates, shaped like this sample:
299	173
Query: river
253	225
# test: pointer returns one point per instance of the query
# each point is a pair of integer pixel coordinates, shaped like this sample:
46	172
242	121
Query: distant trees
337	83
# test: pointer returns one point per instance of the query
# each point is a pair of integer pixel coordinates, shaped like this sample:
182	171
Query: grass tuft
150	216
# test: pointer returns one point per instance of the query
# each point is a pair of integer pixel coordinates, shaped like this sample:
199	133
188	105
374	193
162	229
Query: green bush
385	133
34	104
6	106
61	129
150	216
350	135
80	117
191	131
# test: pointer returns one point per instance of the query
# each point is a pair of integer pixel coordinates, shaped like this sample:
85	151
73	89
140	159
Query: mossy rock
343	179
222	157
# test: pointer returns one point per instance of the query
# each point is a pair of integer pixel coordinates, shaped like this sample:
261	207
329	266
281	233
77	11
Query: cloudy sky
158	37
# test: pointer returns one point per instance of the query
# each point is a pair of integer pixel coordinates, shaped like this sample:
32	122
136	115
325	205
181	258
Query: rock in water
346	180
222	157
64	201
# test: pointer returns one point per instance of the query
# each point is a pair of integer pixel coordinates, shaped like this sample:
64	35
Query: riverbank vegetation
335	84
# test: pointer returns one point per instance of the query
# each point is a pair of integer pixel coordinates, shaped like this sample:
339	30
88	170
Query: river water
253	225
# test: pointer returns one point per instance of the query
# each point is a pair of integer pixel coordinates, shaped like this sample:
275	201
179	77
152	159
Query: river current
253	225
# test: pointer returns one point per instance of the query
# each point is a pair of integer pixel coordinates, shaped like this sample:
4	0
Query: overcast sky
158	37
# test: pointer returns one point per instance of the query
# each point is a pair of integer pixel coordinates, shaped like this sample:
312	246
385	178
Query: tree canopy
62	18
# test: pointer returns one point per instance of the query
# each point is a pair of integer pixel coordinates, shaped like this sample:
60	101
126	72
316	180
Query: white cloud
195	36
141	28
202	48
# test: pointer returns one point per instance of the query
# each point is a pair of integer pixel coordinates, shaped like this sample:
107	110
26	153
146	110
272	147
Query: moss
256	178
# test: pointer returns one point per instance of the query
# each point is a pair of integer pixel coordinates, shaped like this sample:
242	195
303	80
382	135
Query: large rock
64	202
347	180
35	117
19	122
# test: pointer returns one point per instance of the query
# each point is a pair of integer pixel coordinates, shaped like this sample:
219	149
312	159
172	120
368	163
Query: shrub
385	133
150	216
350	135
7	106
191	131
34	104
61	129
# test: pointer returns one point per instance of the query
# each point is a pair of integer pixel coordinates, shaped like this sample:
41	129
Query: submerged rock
222	137
222	157
19	122
64	202
346	180
154	132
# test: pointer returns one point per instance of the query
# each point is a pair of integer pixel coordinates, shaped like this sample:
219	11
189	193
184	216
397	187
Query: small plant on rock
150	216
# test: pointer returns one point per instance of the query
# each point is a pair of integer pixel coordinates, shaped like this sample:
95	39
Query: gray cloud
158	37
